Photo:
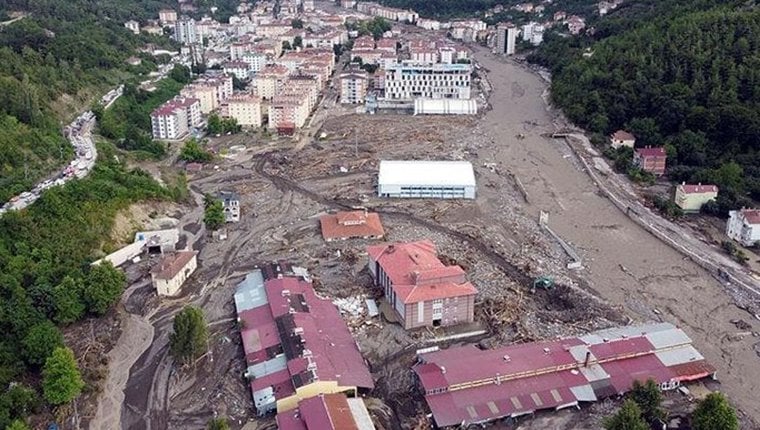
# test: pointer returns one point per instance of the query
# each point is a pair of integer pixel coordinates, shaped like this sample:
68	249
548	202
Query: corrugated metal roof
668	338
424	172
624	331
250	292
360	413
584	393
267	367
680	355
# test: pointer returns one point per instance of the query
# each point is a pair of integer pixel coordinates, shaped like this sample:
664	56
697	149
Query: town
386	225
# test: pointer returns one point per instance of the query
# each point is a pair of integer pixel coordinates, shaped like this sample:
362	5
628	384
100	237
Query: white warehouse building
408	81
426	179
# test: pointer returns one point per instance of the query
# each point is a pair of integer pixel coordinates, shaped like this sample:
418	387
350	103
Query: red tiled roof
171	265
344	225
751	215
622	135
698	189
322	412
259	333
651	152
417	274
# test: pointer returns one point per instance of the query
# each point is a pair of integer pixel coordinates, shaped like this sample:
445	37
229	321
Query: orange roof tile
345	225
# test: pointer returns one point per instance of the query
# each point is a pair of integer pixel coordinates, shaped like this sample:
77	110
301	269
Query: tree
189	336
218	424
61	381
194	152
214	124
69	306
296	23
181	74
627	418
298	42
286	45
213	215
649	398
18	425
103	286
713	413
40	342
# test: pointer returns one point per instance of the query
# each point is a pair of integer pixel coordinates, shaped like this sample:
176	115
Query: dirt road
623	263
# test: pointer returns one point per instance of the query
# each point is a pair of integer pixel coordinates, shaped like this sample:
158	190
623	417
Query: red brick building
421	289
650	160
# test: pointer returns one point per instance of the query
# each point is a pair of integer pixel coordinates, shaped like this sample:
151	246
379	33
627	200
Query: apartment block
405	81
245	108
175	118
353	86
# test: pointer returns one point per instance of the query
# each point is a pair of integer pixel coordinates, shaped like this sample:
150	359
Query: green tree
21	399
214	124
649	398
627	418
40	342
286	45
713	413
18	425
296	23
103	286
218	424
189	336
194	152
213	215
181	74
61	381
67	295
298	42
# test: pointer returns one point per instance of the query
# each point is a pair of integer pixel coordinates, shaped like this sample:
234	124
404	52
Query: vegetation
627	418
61	381
213	215
218	424
40	342
193	152
667	207
714	412
296	23
649	398
18	425
679	74
736	253
374	27
218	125
188	340
128	123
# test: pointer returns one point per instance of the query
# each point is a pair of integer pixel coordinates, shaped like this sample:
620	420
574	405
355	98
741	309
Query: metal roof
250	292
264	368
426	173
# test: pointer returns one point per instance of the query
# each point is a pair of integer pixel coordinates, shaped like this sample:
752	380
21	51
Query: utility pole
356	146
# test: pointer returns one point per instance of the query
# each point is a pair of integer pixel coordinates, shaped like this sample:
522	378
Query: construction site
549	255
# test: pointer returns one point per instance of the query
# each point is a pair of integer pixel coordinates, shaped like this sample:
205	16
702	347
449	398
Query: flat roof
422	172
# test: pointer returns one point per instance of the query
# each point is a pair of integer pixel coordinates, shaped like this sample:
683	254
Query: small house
744	226
172	271
231	204
650	160
351	224
691	197
622	138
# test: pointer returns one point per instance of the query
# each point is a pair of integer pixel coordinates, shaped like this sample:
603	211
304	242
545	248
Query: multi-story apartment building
506	39
175	118
744	226
245	108
133	26
270	79
288	112
256	61
353	86
185	32
240	69
167	16
405	81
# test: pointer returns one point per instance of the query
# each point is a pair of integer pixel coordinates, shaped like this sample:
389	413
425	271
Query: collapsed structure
296	343
520	379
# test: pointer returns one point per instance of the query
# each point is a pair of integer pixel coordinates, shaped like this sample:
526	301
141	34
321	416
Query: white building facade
353	86
186	33
426	179
744	226
172	271
434	81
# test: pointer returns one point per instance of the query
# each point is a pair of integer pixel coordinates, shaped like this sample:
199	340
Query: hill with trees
680	74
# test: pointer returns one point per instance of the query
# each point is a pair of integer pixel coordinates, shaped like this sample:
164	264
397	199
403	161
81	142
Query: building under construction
521	379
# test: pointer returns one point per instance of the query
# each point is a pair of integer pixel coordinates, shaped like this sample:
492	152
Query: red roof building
520	379
622	138
296	344
353	224
650	160
421	289
327	412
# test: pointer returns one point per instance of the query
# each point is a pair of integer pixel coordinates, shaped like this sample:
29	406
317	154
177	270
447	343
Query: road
623	263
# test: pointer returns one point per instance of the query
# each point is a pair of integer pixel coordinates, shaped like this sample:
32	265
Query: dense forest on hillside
685	75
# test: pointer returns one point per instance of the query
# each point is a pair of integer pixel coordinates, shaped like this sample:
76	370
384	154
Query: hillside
685	75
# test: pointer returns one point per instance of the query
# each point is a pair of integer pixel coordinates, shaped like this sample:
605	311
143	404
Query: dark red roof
698	189
751	215
651	152
172	264
417	274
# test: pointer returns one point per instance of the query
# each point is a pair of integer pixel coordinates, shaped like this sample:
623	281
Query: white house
622	138
172	271
231	204
744	226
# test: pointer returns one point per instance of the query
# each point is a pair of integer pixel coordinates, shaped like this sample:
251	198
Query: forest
683	75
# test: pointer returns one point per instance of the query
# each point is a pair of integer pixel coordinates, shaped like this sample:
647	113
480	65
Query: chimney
588	357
